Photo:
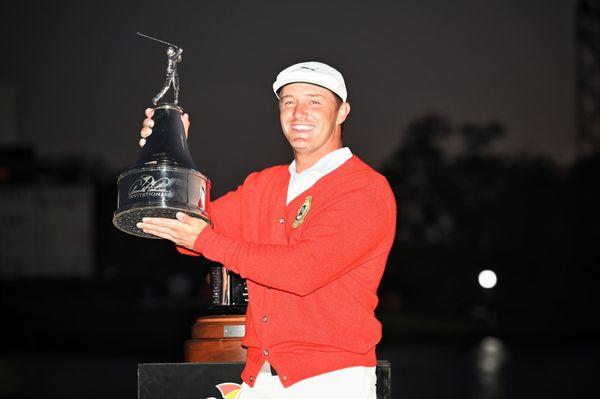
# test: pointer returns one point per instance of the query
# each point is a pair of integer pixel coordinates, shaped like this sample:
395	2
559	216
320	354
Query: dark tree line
464	206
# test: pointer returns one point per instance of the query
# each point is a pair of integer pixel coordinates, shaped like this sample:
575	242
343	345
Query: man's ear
343	113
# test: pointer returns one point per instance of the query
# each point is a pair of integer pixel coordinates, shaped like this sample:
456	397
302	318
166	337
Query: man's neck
305	161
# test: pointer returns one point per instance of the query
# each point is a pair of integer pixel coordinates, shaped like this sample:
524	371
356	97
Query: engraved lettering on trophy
147	186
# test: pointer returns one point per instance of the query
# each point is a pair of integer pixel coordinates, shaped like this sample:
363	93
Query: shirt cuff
185	251
205	235
196	251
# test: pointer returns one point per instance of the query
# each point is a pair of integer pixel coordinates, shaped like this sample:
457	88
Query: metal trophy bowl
164	180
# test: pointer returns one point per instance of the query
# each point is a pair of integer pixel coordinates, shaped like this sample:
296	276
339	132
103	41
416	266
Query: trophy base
127	219
159	190
217	339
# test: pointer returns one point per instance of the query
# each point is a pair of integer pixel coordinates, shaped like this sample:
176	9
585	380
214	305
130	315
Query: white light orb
487	279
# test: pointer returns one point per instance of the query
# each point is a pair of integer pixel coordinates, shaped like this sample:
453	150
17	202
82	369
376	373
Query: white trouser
348	383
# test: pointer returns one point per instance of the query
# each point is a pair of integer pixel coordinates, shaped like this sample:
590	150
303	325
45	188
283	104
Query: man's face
311	119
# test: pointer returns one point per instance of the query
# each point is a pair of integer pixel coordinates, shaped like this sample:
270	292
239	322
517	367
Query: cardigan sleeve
343	235
225	214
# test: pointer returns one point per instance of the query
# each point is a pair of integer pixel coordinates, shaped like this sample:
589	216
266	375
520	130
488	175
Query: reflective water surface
491	368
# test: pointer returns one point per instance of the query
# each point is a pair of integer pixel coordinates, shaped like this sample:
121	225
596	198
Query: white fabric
266	368
300	182
349	383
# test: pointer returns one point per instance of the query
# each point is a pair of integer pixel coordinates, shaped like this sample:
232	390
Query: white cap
312	72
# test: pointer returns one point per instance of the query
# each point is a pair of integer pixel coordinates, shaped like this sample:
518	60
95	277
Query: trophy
164	180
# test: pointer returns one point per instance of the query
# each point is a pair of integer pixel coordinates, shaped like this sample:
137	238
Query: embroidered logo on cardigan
302	212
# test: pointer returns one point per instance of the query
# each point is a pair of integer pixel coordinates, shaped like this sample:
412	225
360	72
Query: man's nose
300	111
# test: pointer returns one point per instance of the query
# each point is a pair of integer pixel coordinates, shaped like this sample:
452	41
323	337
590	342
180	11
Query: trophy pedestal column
217	339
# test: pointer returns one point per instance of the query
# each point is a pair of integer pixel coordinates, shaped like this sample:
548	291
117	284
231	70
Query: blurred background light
487	279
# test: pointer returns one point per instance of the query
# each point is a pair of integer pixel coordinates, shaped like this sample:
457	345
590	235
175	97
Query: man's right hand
148	124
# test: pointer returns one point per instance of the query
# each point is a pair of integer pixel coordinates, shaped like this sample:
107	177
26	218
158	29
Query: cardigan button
251	378
281	220
266	352
264	319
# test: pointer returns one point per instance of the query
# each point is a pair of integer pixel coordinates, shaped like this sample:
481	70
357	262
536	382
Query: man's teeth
302	127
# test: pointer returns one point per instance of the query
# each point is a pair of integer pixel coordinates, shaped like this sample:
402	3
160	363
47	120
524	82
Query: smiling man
311	239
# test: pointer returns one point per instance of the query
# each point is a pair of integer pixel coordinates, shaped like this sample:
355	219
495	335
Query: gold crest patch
302	212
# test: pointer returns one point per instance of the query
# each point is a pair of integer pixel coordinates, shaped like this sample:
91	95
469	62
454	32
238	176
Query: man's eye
288	102
313	102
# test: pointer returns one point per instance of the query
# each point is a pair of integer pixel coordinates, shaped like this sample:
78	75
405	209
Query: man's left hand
183	231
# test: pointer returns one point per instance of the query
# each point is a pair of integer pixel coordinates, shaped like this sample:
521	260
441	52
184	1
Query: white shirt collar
326	164
300	182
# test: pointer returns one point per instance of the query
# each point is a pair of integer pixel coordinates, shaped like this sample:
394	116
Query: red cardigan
312	287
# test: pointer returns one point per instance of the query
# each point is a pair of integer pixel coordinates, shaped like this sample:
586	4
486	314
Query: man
311	239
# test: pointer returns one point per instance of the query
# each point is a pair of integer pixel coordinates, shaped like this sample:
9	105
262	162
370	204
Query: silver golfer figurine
174	55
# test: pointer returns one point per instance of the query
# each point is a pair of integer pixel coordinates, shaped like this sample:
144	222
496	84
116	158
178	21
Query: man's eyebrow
308	95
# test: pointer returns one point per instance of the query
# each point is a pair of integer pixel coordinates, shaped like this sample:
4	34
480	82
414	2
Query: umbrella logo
229	390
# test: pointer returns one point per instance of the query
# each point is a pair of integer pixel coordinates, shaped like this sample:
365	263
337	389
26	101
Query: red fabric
316	284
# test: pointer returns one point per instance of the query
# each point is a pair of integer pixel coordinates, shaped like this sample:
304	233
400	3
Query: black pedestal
214	380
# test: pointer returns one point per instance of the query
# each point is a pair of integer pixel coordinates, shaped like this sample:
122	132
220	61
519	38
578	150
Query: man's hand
148	124
183	231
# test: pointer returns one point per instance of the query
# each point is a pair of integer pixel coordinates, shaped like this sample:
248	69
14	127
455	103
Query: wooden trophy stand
216	339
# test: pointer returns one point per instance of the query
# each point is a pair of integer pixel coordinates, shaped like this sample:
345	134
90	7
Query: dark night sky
81	78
